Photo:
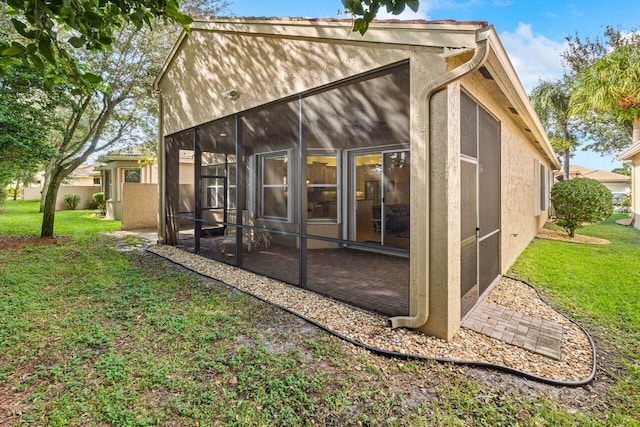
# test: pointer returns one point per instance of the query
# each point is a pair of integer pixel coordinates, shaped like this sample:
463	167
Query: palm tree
611	85
551	102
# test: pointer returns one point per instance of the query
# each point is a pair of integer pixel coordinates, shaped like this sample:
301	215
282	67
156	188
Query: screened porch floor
370	280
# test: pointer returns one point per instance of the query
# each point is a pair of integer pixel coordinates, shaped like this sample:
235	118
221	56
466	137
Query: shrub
99	202
580	200
624	205
71	201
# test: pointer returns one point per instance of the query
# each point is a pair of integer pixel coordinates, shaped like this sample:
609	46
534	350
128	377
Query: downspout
160	155
480	55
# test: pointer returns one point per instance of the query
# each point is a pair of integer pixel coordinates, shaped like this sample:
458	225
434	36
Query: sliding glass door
380	198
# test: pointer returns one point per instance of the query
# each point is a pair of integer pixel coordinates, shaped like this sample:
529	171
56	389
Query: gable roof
599	175
132	152
84	170
451	36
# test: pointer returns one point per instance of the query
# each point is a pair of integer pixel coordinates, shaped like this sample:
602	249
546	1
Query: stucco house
402	171
632	157
617	183
130	185
119	167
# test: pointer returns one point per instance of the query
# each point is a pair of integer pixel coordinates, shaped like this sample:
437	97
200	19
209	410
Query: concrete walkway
531	333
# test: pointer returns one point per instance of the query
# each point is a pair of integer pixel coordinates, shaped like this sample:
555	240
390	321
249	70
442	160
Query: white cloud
534	56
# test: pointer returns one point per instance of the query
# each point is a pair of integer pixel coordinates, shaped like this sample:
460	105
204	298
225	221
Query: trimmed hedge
580	200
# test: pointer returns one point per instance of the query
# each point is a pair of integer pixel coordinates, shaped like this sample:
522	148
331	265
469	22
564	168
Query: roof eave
630	152
514	90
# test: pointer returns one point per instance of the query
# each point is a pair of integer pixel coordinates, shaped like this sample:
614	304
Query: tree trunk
566	161
636	132
15	191
45	186
49	208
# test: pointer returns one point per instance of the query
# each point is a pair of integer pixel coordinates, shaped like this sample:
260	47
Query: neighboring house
130	186
402	171
615	182
84	181
632	157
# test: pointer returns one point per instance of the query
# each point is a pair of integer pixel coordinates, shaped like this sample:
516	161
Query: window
108	185
215	180
274	185
132	175
543	187
96	181
322	186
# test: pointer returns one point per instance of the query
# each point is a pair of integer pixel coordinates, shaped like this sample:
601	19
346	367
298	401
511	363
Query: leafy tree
21	178
624	170
92	25
24	122
603	131
551	102
611	85
580	200
120	109
112	112
365	11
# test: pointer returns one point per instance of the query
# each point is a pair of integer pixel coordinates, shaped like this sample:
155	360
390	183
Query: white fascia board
630	152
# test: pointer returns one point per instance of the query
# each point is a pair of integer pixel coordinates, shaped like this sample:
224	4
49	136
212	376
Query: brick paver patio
532	333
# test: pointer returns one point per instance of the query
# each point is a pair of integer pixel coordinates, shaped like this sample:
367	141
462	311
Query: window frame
260	160
337	185
542	187
124	175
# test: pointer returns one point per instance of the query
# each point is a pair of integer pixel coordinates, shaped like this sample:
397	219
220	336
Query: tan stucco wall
31	193
85	192
140	203
82	181
261	69
148	175
443	232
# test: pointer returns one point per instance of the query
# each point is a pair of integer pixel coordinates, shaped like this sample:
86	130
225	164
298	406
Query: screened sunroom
401	172
313	189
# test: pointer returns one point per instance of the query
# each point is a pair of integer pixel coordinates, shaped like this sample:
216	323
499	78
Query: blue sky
532	32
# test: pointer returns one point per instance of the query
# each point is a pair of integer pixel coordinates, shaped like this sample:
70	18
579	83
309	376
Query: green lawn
21	217
600	286
91	334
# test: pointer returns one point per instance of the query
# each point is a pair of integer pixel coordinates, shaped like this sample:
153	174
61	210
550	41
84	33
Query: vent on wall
485	73
513	110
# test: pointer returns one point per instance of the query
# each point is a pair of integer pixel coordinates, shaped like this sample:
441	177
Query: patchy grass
93	335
